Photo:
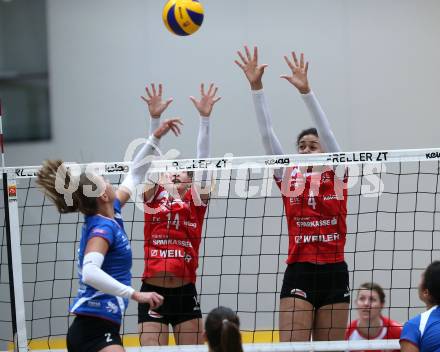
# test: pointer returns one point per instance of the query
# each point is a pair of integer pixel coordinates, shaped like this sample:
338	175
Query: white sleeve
204	138
140	164
154	124
94	276
272	145
204	149
325	133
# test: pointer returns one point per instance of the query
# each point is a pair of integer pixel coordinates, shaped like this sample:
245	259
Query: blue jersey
117	263
424	330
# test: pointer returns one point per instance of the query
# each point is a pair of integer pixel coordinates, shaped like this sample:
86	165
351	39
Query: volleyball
183	17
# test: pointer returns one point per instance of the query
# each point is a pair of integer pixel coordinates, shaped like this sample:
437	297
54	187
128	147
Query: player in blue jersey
104	254
422	333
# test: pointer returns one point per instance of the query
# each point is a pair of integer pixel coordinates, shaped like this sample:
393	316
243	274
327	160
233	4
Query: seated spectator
371	324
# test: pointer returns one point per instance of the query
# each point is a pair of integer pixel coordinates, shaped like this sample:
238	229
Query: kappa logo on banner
281	161
433	155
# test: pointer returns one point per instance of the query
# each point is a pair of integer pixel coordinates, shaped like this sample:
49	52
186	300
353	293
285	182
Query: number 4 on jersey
312	200
174	222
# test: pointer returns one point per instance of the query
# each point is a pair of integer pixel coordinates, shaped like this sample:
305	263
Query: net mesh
392	235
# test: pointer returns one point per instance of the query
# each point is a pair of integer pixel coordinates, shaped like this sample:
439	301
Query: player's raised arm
254	73
156	105
204	106
141	162
298	77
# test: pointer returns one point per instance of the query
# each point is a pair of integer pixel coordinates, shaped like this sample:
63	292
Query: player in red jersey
174	214
372	325
315	294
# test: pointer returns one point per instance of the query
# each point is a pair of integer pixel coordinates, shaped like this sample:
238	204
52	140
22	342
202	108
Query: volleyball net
392	235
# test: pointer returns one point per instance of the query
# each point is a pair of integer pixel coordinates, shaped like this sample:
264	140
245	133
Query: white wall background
373	66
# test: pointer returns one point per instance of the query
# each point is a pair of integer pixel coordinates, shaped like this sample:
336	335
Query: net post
14	262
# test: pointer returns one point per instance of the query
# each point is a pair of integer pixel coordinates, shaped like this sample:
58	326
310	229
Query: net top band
249	162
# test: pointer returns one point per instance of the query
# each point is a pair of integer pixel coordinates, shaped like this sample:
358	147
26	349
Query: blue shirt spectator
422	333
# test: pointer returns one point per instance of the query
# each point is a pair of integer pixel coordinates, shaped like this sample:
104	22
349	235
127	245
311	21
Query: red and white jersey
172	235
315	203
390	330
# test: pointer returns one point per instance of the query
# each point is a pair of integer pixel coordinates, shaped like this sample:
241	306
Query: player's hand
207	100
156	106
298	76
169	124
250	67
152	298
